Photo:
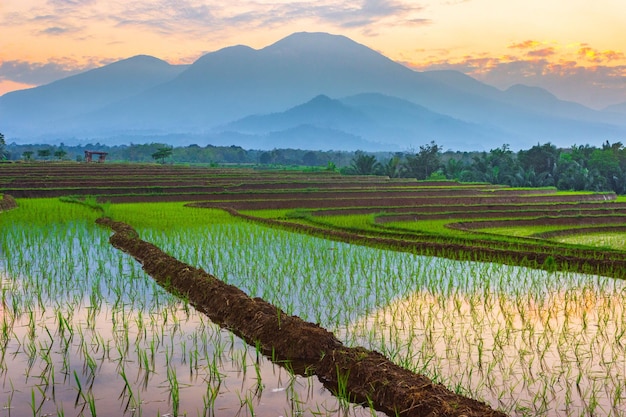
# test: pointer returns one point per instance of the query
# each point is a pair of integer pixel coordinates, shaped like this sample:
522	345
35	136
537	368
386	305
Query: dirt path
368	375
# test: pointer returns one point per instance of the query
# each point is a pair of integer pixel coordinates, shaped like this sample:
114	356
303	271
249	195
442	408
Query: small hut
90	154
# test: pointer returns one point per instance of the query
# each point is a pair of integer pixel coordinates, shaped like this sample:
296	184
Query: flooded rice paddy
84	331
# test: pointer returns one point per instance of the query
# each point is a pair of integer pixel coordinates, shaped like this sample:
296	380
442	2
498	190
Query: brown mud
580	231
341	200
504	214
541	221
369	377
607	263
7	202
512	209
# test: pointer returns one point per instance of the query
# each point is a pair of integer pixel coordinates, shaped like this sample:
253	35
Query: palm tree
363	164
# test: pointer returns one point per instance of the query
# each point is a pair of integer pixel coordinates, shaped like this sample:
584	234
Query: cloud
61	3
170	16
590	54
529	44
367	13
167	16
33	73
544	52
56	30
577	73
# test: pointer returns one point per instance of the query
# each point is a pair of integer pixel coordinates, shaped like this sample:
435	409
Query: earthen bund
368	375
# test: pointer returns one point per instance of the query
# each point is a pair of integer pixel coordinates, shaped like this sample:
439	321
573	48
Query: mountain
321	111
45	107
239	81
286	87
617	108
377	119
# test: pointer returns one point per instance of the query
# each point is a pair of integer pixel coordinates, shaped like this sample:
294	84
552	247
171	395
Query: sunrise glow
554	44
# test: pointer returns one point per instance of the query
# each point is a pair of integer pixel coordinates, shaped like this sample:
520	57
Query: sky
576	49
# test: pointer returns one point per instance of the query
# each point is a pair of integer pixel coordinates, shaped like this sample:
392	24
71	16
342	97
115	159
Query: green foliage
43	153
163	153
581	167
168	216
60	154
363	164
422	164
3	151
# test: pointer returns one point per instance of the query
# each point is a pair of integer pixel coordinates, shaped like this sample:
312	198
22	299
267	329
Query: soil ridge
610	264
367	376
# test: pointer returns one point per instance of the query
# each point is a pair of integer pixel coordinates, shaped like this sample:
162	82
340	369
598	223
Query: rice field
85	331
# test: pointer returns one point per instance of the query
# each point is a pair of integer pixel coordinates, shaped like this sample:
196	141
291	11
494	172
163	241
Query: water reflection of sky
556	353
77	312
521	339
528	341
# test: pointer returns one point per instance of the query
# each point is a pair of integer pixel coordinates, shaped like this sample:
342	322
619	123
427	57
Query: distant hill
379	120
306	82
617	108
46	108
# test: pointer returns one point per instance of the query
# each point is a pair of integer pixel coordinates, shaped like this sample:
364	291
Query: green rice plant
540	338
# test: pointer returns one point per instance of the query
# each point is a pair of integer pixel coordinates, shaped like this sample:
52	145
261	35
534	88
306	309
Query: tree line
580	167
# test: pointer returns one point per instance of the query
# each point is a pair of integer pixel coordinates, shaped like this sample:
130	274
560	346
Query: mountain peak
319	44
305	39
530	92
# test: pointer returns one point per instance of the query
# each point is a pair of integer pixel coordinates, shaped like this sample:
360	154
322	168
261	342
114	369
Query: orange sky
574	48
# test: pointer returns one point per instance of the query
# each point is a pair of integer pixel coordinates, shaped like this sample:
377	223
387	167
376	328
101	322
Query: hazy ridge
311	90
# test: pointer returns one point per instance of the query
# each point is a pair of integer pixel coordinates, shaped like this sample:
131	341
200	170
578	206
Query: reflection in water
130	363
528	342
553	347
84	331
82	325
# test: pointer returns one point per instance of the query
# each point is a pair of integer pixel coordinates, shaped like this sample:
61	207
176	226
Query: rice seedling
82	323
528	342
489	330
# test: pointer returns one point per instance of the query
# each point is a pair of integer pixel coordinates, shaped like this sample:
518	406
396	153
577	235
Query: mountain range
308	90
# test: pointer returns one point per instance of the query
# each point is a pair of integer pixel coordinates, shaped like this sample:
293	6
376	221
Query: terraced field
499	294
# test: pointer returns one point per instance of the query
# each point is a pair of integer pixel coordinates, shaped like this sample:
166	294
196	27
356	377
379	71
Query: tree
424	163
363	164
499	166
392	168
43	153
3	152
27	155
60	154
162	154
310	159
538	165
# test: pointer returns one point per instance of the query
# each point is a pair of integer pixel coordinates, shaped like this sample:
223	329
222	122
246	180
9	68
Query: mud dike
368	376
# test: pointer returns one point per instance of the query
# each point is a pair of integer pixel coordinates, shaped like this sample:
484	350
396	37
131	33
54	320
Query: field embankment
363	375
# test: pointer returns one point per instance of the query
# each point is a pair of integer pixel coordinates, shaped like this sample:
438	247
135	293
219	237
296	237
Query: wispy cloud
528	44
543	52
590	54
182	16
167	16
574	72
41	73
